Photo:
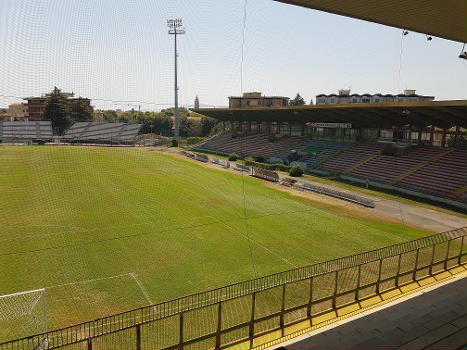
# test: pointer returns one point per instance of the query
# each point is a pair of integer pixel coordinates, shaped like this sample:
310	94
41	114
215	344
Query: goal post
23	314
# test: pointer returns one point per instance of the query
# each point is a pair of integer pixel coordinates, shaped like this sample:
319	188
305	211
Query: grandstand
256	145
433	170
318	151
26	131
108	133
361	152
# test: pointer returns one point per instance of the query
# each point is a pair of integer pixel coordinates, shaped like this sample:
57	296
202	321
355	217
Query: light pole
175	28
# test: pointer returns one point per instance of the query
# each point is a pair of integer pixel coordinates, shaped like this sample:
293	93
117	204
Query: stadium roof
443	114
444	19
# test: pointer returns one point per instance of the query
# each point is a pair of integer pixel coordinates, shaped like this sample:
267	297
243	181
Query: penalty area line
141	287
89	281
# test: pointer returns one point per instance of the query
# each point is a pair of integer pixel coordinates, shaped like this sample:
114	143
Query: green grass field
109	229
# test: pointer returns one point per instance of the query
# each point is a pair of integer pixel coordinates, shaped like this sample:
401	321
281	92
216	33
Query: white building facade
344	97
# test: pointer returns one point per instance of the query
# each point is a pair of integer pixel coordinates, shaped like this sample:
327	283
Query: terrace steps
335	155
361	163
421	166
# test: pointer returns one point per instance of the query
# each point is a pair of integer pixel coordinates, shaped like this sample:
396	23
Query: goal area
23	314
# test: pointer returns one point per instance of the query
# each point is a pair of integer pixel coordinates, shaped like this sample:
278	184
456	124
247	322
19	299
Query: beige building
255	100
344	97
18	110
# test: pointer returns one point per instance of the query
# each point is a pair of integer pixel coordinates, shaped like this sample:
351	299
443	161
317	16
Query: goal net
22	314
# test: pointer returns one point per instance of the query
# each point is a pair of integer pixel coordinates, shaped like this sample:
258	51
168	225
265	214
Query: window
365	100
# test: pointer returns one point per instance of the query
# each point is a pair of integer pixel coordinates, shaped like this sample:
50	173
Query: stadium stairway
361	163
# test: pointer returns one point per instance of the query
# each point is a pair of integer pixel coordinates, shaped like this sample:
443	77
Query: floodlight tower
176	28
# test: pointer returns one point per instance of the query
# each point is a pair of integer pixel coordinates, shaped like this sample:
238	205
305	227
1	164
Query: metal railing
332	192
243	312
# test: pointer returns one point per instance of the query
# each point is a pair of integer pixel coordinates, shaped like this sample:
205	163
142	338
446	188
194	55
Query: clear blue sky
120	50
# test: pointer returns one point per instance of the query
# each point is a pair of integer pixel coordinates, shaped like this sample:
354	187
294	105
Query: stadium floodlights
175	26
24	313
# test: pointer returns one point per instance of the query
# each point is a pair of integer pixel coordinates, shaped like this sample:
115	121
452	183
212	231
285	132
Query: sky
117	52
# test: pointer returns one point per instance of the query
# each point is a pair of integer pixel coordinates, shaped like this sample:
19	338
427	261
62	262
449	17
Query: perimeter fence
244	312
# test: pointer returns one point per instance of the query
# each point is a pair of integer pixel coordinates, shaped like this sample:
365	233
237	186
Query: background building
36	105
18	110
254	100
344	97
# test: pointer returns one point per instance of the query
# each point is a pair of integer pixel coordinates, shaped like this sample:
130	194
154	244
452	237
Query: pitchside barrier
244	312
350	197
242	168
264	174
201	157
221	162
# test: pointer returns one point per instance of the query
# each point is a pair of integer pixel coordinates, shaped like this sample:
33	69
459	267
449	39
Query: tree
186	126
81	110
57	110
206	125
297	101
296	171
110	116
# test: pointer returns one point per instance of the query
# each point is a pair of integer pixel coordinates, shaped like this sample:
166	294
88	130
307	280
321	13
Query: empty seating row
101	132
352	156
257	145
445	176
319	150
20	131
389	168
428	169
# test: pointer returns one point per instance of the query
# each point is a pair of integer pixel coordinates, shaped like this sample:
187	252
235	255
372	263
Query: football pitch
105	229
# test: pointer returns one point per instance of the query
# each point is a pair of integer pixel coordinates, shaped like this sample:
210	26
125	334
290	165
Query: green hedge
193	140
296	171
202	150
280	167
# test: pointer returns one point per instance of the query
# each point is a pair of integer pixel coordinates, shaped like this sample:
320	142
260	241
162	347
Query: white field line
141	287
89	281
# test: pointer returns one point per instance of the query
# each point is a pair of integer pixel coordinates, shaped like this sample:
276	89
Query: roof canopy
444	19
443	114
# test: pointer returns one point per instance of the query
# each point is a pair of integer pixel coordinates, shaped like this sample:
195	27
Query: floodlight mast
176	28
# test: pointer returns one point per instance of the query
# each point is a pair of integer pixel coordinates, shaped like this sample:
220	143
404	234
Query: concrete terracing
434	318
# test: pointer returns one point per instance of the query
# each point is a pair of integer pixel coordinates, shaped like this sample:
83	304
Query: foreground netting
24	312
245	312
